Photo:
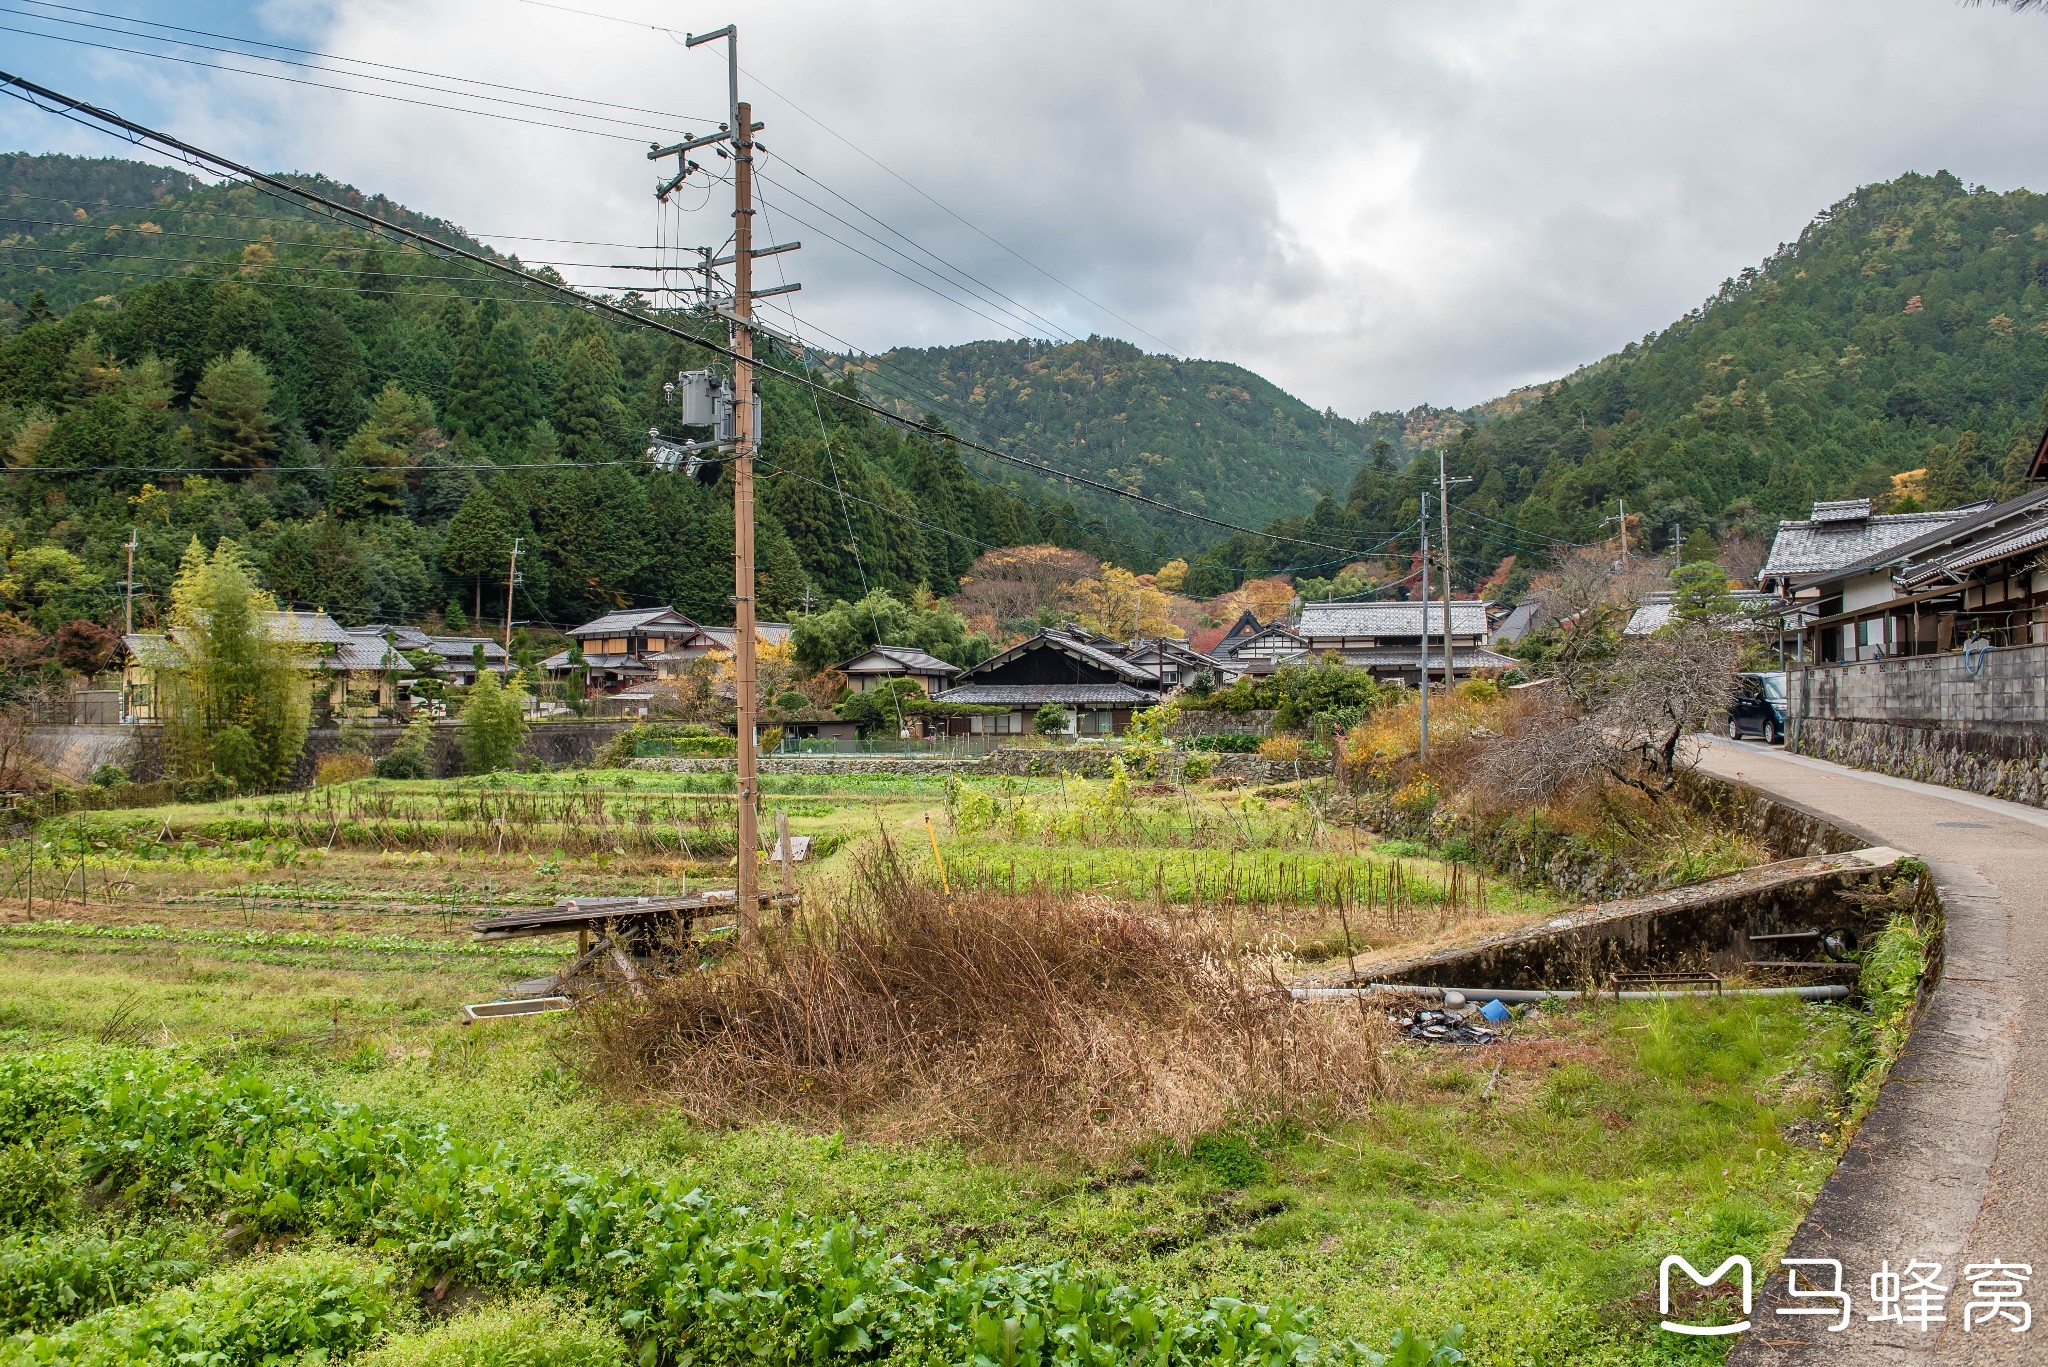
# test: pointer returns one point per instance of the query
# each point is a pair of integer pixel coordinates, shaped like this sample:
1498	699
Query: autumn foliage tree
1115	602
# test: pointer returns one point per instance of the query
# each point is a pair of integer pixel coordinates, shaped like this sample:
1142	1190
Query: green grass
1534	1215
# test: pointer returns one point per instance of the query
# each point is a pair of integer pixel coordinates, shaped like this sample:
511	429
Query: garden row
683	1276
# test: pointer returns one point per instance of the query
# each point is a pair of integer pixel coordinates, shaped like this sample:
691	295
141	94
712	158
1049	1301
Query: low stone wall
2011	764
1193	722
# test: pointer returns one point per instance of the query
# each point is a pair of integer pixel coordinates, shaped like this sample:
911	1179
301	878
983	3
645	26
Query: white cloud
1374	205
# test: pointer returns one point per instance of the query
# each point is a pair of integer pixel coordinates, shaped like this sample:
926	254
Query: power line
354	61
922	193
79	111
316	219
322	85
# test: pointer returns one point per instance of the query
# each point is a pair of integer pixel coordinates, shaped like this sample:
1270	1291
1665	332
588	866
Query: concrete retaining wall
1928	717
2007	695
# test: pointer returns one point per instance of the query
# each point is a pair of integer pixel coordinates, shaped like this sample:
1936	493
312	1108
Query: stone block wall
1997	764
1929	717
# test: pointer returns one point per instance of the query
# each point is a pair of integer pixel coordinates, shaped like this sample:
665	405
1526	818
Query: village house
1099	691
1966	574
1387	638
456	654
636	646
879	664
350	676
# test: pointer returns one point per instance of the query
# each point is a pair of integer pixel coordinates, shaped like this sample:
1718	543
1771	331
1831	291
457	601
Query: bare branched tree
1625	718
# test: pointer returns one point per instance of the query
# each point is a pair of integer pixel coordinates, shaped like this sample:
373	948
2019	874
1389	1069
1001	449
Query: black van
1758	708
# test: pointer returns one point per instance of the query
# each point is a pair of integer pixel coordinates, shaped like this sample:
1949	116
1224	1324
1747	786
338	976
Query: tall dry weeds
1017	1023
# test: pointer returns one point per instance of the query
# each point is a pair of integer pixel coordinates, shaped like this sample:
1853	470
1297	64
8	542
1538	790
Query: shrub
413	756
792	701
1285	749
109	776
1051	720
1479	690
45	1282
769	739
1130	1029
341	768
306	1308
533	1332
34	1187
1195	768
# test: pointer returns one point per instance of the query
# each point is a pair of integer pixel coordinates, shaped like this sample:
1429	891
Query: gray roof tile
1037	695
1810	547
1321	621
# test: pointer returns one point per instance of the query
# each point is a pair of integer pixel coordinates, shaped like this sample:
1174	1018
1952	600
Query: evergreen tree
371	468
589	414
478	542
232	403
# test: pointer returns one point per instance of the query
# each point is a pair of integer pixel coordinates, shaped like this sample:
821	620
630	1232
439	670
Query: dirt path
1952	1165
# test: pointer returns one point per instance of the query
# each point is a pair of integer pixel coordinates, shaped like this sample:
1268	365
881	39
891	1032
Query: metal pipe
1518	995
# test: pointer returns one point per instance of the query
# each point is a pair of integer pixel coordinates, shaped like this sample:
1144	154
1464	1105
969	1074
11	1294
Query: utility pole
128	598
1443	504
743	508
511	579
1620	518
1422	738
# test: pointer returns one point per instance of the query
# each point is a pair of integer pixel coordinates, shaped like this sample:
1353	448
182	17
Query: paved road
1952	1165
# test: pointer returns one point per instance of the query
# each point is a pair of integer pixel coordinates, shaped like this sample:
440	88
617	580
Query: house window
1105	722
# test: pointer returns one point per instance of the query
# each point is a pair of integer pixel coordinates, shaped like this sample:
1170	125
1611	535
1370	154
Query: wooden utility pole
1422	599
1443	506
511	580
128	599
748	902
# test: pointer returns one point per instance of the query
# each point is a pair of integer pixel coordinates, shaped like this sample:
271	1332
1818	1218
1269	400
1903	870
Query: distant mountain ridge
1206	435
1905	328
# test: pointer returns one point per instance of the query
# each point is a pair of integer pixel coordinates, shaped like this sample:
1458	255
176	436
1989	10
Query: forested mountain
1205	435
1906	329
376	425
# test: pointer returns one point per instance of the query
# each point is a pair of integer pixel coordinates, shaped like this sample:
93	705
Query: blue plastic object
1495	1012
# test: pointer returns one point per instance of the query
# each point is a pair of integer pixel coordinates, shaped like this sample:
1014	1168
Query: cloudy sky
1374	204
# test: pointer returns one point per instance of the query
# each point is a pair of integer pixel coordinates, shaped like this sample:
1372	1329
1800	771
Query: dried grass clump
1010	1022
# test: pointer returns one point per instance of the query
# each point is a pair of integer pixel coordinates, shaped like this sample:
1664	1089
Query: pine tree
508	403
232	403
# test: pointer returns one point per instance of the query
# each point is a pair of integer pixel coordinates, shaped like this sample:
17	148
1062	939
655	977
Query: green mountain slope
1906	329
1205	435
375	425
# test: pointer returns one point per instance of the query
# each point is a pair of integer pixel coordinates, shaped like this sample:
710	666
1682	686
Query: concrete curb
1915	1176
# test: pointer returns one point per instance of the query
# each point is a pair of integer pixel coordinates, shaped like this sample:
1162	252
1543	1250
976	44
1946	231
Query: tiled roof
903	658
1977	538
628	619
1037	695
1654	612
1405	657
400	635
1822	546
153	650
310	628
464	647
360	654
1841	510
1320	621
